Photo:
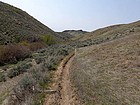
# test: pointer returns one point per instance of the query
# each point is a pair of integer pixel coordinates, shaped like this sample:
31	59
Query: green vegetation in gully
48	39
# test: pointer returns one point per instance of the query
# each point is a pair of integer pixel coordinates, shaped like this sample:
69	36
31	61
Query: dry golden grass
111	32
109	73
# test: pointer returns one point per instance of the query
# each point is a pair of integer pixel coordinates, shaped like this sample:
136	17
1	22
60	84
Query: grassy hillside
23	33
17	25
109	73
111	32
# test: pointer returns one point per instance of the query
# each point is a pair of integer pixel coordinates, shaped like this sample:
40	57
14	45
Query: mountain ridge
75	32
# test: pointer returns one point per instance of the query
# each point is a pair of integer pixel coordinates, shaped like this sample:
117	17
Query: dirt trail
64	94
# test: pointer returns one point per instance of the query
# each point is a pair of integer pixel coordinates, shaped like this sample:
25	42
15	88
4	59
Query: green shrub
26	83
63	52
24	66
40	98
17	38
13	72
39	60
19	70
51	66
2	77
48	39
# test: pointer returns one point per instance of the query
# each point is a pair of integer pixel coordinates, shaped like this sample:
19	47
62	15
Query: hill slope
17	25
111	32
109	72
75	32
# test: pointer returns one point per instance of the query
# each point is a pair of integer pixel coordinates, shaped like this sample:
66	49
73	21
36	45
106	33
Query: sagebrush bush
26	83
19	70
13	72
32	85
25	66
2	77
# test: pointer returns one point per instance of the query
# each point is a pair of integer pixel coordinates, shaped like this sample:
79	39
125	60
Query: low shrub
12	53
2	77
39	60
36	46
63	52
23	92
26	83
40	75
40	98
13	72
25	66
19	70
51	62
48	39
51	66
31	87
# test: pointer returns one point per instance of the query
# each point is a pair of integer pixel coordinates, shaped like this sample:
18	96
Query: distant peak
74	31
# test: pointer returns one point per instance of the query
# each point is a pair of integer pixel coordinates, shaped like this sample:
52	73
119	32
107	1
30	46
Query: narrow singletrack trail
65	92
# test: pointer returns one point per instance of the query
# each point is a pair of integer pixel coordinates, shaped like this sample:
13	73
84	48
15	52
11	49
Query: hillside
64	36
109	73
100	74
105	66
75	32
17	25
111	32
90	68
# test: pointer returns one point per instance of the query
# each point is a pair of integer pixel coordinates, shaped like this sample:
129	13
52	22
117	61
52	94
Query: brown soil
65	93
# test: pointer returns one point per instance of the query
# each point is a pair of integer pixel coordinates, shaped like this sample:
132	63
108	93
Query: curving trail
64	94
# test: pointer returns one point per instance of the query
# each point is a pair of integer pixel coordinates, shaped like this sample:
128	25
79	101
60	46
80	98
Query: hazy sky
80	14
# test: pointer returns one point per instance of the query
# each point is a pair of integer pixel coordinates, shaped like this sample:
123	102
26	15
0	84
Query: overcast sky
80	14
